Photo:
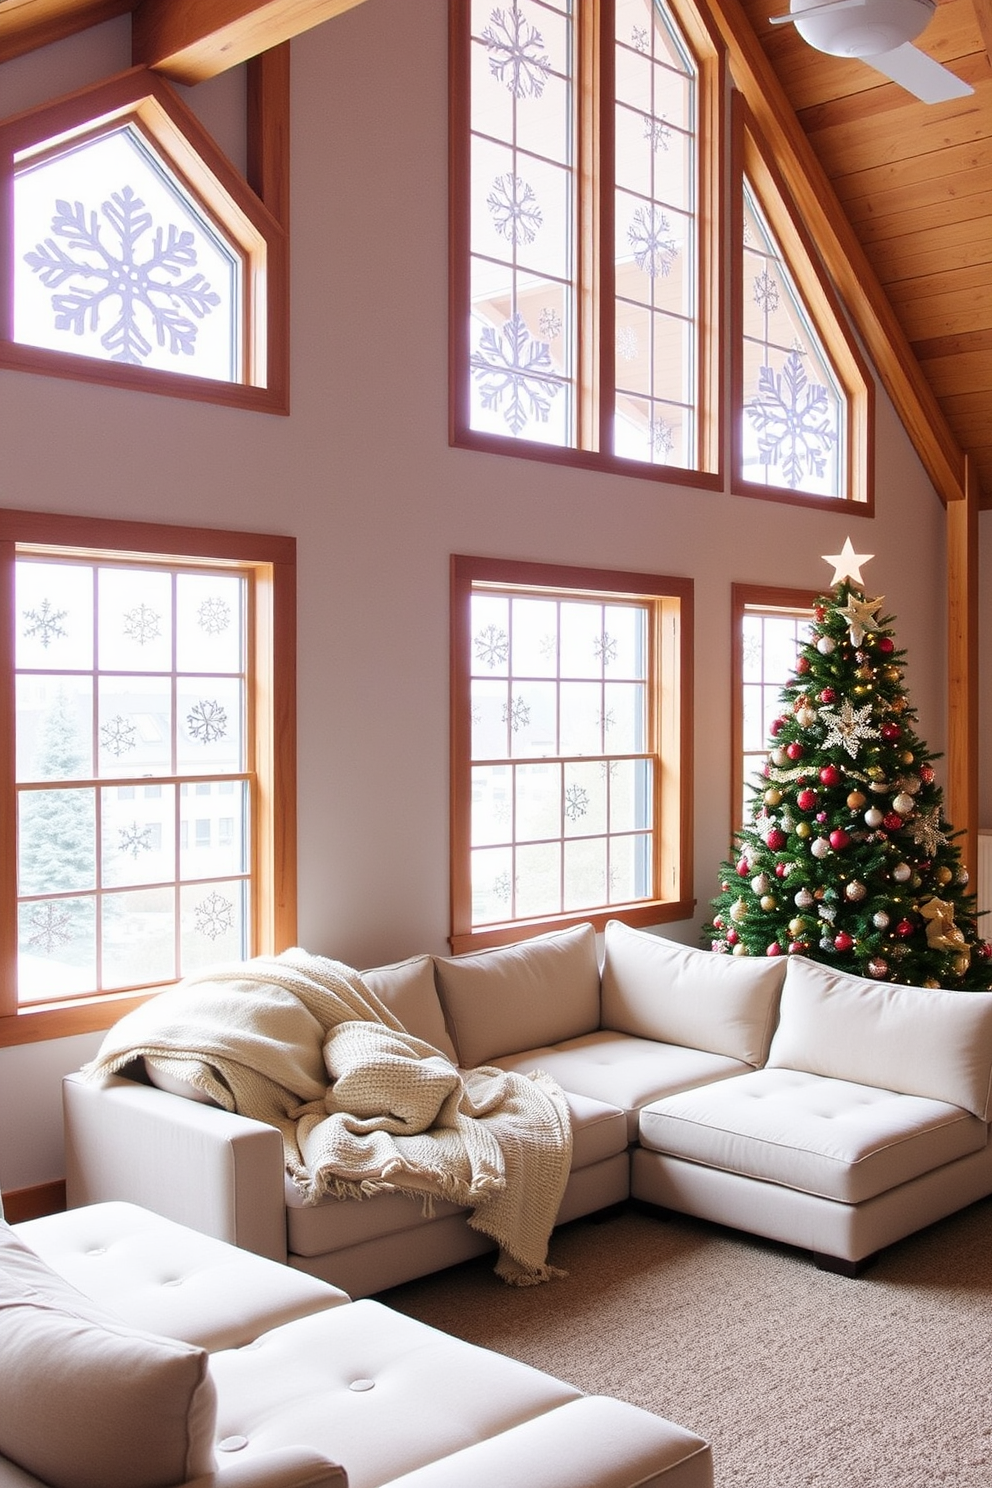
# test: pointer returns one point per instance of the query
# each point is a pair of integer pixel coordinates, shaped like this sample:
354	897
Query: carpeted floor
798	1378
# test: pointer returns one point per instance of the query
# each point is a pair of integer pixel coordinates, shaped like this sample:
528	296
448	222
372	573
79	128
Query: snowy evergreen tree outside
847	857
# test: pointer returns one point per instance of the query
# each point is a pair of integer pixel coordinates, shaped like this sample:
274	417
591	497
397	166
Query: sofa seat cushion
826	1137
623	1071
374	1390
598	1131
516	997
166	1278
87	1401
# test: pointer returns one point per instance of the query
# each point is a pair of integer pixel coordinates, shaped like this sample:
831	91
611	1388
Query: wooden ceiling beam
37	23
843	255
192	40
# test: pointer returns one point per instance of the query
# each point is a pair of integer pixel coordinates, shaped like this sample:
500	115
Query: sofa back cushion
657	989
914	1040
408	990
87	1401
521	996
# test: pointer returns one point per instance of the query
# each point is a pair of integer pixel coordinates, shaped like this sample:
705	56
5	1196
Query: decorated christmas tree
847	857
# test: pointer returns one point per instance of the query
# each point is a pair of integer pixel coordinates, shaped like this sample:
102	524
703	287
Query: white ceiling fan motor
862	29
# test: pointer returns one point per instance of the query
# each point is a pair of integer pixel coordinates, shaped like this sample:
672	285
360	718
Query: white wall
362	475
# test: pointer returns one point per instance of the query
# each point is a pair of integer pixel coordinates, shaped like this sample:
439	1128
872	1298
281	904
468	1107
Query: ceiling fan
880	33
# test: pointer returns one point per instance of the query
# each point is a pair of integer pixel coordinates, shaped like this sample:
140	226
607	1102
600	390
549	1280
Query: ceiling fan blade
919	74
803	15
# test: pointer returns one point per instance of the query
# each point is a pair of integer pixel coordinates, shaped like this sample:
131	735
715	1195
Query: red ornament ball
732	937
717	922
797	947
802	665
806	800
776	840
774	949
886	645
743	868
904	928
828	695
878	968
839	839
830	775
781	869
794	750
892	822
890	732
927	774
843	941
819	613
776	726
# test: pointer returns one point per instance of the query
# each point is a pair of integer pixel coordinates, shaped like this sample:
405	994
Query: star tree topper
847	563
860	616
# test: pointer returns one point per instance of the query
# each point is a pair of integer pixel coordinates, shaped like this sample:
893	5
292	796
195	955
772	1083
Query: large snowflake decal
134	839
791	415
49	925
214	916
516	53
142	624
649	235
214	616
46	623
511	365
118	735
206	721
492	646
514	209
147	291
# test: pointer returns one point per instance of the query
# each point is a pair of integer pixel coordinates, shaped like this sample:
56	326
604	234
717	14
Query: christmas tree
847	857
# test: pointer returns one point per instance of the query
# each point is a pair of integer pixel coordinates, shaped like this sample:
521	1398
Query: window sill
54	1020
651	912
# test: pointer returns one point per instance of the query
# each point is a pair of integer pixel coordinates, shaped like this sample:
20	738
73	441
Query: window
801	387
134	254
769	627
571	733
107	629
584	304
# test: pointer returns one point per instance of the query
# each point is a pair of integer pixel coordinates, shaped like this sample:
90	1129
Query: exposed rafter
190	42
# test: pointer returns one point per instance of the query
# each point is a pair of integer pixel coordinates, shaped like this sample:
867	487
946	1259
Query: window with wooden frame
586	160
571	739
769	625
802	391
147	744
134	254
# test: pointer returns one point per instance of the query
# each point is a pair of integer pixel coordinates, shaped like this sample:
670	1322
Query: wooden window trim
272	646
594	358
752	157
671	734
744	597
154	106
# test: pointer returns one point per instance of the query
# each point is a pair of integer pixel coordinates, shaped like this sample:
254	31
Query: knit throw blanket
300	1042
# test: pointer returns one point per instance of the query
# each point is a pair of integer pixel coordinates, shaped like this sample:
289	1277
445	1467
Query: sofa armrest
282	1467
207	1168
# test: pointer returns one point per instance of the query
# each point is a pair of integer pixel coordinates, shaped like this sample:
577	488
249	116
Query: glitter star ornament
848	727
847	563
860	616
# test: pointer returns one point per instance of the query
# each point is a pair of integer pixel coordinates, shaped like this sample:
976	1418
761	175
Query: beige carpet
798	1378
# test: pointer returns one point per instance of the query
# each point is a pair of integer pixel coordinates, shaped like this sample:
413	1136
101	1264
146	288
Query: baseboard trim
31	1203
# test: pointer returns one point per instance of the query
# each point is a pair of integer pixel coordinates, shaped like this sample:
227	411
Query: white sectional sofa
137	1353
776	1096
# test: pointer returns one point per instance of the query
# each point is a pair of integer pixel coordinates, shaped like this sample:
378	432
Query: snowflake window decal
142	624
627	343
144	280
549	323
214	616
576	802
214	916
514	209
766	295
792	417
516	53
501	888
658	132
492	646
46	623
118	735
662	436
604	648
516	713
510	365
655	250
49	926
639	39
134	839
207	721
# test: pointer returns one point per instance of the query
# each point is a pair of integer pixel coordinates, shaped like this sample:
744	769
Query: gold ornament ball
908	757
963	875
856	800
738	911
855	891
779	756
931	982
773	796
943	875
960	965
740	949
875	772
803	829
768	903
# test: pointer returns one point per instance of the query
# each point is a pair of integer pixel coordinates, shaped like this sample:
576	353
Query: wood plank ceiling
914	181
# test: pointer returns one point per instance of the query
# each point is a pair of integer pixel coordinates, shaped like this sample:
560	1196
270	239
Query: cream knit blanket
300	1042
